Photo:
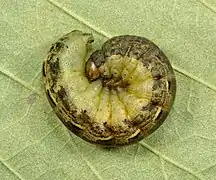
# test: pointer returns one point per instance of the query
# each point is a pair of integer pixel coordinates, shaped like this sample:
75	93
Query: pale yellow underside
111	106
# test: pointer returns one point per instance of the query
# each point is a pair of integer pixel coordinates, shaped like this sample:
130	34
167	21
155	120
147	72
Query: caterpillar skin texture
114	96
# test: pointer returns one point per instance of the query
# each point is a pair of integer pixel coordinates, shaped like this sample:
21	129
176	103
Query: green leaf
33	142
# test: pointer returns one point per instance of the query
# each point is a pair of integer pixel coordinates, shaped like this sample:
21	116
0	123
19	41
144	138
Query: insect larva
116	95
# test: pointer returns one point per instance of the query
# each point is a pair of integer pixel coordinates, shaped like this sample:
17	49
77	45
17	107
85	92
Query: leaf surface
33	142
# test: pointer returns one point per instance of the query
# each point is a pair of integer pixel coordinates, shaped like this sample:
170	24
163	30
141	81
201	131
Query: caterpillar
113	96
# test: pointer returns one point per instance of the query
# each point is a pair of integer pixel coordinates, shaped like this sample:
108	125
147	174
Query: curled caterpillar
116	95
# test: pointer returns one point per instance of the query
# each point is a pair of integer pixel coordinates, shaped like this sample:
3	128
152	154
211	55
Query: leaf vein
19	81
107	35
185	73
12	170
87	162
171	161
211	8
78	18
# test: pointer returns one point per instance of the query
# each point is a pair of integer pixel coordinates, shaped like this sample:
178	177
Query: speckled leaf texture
33	142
